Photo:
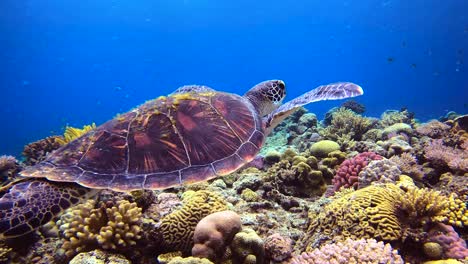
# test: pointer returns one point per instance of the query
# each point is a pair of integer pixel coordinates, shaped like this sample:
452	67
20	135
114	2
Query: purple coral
440	155
452	245
351	251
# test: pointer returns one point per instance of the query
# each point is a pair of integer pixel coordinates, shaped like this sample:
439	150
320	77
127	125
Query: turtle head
267	96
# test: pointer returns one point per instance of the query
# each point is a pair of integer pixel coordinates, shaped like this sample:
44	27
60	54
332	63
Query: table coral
351	251
109	227
347	174
177	228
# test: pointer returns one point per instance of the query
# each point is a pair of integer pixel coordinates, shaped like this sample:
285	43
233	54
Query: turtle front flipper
31	204
333	91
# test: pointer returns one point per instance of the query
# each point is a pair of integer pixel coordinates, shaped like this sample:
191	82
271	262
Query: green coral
346	127
323	147
177	228
249	196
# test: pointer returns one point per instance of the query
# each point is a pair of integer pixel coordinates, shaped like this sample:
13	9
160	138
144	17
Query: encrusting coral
108	227
177	228
451	245
351	251
278	248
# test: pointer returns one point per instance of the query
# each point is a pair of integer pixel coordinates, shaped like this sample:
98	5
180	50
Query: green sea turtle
194	134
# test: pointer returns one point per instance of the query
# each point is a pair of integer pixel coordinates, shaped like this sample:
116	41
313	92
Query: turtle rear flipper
333	91
31	204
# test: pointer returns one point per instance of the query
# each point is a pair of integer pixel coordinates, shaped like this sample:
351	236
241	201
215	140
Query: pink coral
440	155
347	174
433	129
452	245
277	247
351	251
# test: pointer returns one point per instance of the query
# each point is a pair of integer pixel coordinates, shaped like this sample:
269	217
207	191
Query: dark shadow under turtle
192	135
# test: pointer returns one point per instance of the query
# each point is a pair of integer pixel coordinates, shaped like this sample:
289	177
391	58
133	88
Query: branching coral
440	155
9	166
346	124
72	133
351	251
391	117
408	164
114	227
177	228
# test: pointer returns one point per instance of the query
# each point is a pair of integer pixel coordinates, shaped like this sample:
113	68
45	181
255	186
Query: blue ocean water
81	61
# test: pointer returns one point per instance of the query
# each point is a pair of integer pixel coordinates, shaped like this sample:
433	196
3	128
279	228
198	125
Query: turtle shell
168	141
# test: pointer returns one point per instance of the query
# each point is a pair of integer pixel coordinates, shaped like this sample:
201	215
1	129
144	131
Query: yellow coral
178	227
424	205
72	133
457	214
5	252
189	260
247	247
85	227
346	126
367	213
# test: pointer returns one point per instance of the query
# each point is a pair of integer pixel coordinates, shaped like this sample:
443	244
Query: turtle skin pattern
182	138
31	204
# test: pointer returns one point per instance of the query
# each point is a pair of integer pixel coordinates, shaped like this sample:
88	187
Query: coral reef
440	155
37	151
278	248
214	233
177	228
433	129
99	257
322	148
347	174
9	167
351	251
444	238
391	117
354	106
72	133
107	226
345	126
247	248
378	171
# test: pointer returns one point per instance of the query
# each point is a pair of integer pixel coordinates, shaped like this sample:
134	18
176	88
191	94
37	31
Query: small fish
118	88
390	59
403	44
413	65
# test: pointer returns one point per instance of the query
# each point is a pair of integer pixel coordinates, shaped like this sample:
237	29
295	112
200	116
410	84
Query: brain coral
114	227
178	227
214	233
384	212
351	251
347	174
